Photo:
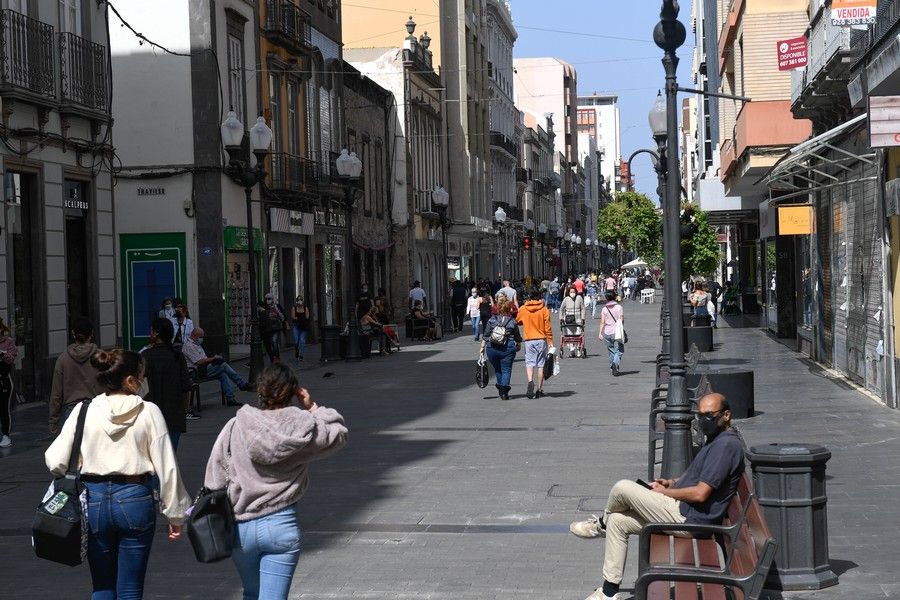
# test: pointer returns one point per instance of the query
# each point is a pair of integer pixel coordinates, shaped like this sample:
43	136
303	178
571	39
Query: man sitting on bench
212	366
700	495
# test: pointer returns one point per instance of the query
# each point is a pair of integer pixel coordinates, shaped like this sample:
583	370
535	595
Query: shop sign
234	238
884	121
795	219
853	12
766	221
291	221
792	54
151	191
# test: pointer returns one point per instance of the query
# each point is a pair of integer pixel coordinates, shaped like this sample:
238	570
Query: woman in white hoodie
125	442
262	458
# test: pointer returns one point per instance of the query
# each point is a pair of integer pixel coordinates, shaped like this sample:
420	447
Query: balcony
523	175
287	25
498	140
27	58
292	174
83	75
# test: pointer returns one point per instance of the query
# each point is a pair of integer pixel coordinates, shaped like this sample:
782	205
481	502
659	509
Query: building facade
598	116
57	245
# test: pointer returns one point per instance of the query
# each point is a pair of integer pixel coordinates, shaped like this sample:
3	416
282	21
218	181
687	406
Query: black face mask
710	426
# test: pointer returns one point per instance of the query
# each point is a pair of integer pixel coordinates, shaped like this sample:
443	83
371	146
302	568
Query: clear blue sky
630	65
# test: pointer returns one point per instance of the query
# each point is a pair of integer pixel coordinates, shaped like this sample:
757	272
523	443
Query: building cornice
501	9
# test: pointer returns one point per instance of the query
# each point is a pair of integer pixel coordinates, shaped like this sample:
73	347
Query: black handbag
548	365
482	376
570	319
210	524
58	527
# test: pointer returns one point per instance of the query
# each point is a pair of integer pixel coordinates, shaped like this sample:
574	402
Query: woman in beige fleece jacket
261	457
125	442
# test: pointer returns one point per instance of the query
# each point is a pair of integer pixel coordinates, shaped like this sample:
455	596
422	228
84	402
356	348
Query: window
275	109
20	6
69	15
293	127
236	89
379	174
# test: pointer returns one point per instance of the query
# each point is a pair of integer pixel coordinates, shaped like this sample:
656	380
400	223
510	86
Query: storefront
237	283
329	251
287	274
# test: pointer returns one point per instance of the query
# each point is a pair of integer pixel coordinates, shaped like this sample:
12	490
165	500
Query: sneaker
5	442
192	416
530	391
590	528
599	595
539	394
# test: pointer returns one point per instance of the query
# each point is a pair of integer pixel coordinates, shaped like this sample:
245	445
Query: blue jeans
502	361
616	349
272	342
476	326
300	339
226	375
121	520
266	551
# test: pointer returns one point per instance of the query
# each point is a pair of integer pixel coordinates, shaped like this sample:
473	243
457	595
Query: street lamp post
658	120
241	172
669	34
500	218
441	200
349	168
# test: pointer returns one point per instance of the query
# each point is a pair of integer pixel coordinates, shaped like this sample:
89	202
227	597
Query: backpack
554	287
500	334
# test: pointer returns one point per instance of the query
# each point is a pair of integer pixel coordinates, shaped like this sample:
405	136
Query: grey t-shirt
719	464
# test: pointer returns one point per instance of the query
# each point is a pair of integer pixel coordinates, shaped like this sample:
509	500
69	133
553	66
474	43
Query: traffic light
526	242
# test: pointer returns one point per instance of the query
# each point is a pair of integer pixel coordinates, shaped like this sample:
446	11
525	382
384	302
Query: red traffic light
526	242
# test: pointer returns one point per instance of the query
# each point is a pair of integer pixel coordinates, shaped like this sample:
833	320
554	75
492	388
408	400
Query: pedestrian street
444	491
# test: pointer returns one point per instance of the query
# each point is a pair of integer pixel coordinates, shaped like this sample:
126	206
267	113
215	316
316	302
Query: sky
620	34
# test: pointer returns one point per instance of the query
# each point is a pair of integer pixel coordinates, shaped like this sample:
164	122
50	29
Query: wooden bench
657	428
196	380
682	561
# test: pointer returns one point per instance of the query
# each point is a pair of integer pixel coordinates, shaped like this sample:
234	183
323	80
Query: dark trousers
6	403
459	316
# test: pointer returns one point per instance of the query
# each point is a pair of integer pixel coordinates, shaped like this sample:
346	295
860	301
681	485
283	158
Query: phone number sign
853	12
792	54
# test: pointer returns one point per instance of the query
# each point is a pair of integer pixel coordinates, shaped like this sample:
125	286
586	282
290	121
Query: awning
809	162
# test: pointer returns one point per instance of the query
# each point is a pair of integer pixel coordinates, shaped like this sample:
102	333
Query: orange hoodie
535	320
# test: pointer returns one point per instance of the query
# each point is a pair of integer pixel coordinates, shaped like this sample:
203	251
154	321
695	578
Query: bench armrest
692	574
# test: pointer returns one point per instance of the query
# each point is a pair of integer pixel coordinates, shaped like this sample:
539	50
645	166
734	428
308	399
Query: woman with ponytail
125	443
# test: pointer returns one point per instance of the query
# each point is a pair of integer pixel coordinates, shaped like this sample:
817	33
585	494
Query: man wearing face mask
700	495
199	364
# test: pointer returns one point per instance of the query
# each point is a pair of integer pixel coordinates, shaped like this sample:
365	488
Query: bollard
331	349
789	483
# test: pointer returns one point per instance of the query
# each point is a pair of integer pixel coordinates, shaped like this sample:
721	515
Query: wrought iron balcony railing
287	24
82	68
501	141
291	173
27	57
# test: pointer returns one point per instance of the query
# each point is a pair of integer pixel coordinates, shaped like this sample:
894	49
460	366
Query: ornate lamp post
241	172
349	168
440	198
669	34
500	218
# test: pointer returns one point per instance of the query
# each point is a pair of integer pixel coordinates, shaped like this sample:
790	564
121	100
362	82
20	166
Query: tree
700	252
631	222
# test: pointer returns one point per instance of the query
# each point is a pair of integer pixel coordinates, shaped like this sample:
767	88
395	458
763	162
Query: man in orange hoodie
535	320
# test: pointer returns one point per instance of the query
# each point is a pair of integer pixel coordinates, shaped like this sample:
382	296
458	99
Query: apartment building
598	116
56	227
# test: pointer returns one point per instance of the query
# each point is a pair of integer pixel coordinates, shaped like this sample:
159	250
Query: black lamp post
500	218
440	198
349	168
241	172
669	34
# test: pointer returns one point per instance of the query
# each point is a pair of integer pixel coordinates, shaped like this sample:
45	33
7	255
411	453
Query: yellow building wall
382	23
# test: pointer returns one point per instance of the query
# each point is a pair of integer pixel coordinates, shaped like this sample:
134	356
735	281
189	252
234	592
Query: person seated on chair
383	316
419	313
370	327
700	495
212	366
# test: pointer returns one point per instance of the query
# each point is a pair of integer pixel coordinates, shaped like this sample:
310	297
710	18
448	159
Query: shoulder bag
620	334
210	522
59	529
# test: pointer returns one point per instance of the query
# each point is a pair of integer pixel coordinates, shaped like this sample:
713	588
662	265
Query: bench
692	359
682	560
657	428
196	380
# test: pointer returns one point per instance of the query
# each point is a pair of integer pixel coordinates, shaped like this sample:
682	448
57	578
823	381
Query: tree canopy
700	252
632	222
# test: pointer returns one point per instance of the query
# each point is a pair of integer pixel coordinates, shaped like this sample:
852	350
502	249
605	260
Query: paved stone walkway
446	492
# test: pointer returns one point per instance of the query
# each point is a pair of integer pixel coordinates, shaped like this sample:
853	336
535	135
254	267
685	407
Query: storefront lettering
151	191
77	204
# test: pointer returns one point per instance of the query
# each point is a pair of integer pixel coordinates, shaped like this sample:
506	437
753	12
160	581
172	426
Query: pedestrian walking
474	308
572	313
538	339
715	291
167	309
610	314
458	302
300	326
74	377
417	294
272	322
510	293
699	300
553	289
501	341
167	377
485	311
8	353
182	326
125	448
261	457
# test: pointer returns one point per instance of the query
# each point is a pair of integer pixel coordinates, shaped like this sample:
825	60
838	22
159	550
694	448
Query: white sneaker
5	442
590	528
599	595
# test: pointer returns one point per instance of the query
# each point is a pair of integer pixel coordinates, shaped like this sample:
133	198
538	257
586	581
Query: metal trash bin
331	349
789	483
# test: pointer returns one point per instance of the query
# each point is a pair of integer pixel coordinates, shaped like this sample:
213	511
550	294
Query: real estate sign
792	54
853	12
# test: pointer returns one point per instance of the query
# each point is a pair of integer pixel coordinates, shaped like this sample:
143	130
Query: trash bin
330	343
789	482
